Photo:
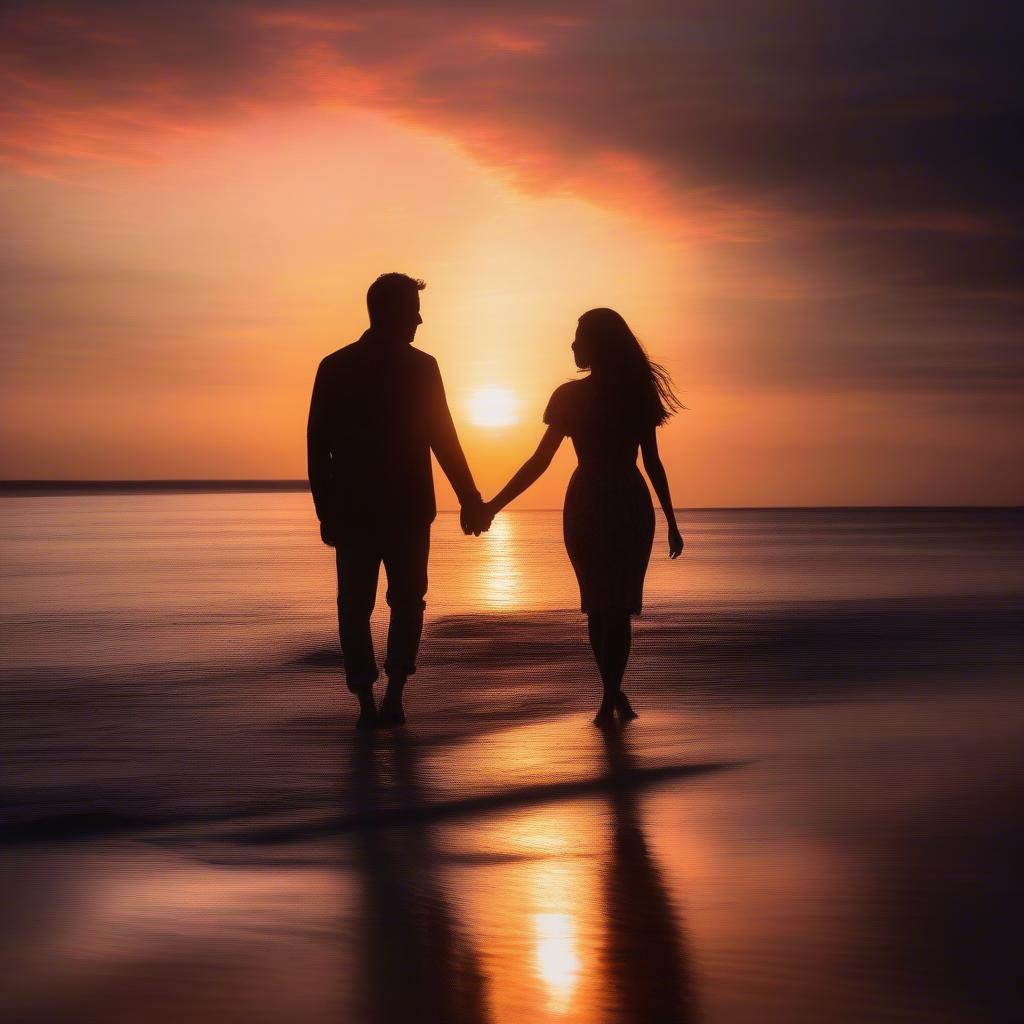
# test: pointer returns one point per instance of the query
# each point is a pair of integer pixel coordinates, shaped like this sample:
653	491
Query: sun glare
492	407
557	961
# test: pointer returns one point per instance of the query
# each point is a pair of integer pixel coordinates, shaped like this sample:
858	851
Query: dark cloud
864	107
885	141
975	365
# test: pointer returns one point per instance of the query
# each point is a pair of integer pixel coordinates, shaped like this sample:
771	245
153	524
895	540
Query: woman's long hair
617	359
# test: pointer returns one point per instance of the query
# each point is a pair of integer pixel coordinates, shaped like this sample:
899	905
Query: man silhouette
378	410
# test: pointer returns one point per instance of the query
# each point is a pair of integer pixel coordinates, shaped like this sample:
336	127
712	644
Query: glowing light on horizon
493	407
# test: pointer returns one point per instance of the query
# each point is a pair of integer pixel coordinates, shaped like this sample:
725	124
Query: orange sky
172	272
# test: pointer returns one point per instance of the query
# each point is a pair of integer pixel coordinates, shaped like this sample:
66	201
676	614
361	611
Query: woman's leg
611	636
595	631
610	639
617	640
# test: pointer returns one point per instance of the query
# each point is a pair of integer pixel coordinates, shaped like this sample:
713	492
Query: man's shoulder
342	360
421	367
422	359
342	355
359	349
360	361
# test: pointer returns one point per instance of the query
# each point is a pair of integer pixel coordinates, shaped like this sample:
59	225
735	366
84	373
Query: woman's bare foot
625	709
605	716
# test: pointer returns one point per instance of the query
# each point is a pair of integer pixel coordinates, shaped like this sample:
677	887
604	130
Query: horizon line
43	487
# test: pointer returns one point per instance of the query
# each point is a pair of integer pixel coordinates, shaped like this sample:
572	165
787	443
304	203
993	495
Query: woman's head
606	346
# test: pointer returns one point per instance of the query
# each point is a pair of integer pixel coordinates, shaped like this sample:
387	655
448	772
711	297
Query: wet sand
842	861
815	819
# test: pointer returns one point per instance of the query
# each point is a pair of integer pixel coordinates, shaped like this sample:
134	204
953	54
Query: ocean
180	769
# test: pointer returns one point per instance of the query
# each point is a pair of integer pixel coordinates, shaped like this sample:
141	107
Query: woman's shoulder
563	402
568	391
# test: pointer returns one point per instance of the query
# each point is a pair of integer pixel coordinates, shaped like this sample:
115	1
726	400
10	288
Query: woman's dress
608	519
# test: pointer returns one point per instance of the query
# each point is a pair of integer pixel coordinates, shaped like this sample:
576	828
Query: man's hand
327	534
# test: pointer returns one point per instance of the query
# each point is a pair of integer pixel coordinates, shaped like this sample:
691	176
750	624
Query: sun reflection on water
500	575
543	914
555	889
558	964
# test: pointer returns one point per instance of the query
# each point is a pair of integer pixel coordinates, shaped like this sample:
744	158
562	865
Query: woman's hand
488	512
675	541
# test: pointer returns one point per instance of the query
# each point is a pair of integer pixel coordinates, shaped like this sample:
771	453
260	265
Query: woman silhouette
608	518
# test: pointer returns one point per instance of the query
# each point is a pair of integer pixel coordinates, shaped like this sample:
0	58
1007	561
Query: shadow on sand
415	961
645	962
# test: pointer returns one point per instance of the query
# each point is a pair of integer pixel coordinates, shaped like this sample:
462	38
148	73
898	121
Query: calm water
159	581
810	814
144	636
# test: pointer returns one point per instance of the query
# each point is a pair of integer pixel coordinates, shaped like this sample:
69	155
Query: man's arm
318	452
444	442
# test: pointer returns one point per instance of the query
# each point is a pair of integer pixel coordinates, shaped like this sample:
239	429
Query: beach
815	818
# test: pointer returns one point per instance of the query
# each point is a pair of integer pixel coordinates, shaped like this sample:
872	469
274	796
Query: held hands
475	517
675	541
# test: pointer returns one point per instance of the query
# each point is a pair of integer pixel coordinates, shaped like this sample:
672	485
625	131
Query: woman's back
605	428
608	516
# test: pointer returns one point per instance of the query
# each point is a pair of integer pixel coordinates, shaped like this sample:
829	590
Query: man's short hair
390	292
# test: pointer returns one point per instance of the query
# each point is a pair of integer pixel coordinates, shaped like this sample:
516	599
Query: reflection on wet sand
574	918
414	962
558	963
554	887
645	958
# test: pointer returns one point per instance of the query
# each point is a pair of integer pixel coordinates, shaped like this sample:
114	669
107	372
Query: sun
493	407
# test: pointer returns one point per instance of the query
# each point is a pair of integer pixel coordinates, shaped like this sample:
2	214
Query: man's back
376	411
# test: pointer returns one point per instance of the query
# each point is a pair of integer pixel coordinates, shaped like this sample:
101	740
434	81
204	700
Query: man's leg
358	560
406	553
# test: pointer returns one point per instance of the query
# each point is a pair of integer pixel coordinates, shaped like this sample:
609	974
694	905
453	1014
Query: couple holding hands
377	412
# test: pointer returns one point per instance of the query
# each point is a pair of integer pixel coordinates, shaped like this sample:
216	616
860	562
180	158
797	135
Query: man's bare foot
367	709
391	710
391	713
625	709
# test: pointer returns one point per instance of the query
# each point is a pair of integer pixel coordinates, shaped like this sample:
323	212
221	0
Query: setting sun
493	407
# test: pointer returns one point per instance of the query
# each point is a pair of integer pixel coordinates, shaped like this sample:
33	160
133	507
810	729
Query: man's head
393	301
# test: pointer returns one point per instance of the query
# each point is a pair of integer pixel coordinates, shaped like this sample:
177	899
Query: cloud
884	143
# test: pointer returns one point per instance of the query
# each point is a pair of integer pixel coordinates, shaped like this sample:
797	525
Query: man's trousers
403	549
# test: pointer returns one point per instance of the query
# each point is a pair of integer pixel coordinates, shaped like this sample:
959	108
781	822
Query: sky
810	213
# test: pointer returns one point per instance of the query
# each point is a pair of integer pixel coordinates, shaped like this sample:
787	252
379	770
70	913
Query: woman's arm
529	472
659	481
